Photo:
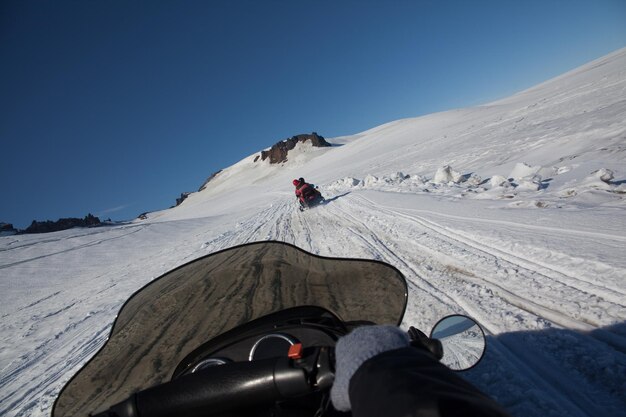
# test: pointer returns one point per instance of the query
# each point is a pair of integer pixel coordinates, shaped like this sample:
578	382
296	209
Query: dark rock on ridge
62	224
278	153
7	229
183	197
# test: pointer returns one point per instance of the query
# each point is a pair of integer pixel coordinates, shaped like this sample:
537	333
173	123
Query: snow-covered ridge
574	122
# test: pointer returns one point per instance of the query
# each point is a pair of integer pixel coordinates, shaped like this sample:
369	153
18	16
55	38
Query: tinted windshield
170	317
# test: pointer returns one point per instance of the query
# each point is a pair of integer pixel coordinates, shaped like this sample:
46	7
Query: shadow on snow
556	371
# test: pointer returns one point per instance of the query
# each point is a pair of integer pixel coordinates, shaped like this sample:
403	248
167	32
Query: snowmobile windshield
174	314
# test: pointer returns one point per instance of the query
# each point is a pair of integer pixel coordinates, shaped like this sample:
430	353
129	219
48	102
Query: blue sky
116	107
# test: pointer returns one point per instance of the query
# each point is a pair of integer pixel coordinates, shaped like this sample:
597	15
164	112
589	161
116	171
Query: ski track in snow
540	276
73	248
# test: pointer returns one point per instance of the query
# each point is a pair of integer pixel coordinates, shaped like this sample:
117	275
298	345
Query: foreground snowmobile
247	331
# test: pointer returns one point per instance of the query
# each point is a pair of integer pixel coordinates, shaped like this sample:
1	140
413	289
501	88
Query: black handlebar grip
223	388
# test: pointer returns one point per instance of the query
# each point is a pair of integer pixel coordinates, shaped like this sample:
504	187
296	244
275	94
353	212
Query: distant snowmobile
307	194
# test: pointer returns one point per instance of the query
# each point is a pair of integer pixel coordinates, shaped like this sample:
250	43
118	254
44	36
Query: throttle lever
421	341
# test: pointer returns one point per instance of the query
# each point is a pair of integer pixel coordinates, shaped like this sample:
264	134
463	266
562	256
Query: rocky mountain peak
278	152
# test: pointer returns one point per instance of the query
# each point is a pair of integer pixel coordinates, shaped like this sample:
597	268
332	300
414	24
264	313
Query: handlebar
241	385
246	384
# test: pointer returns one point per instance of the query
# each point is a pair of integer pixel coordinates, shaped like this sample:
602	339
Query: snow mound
370	180
347	182
524	185
446	174
418	179
499	181
474	180
604	174
399	177
530	183
599	180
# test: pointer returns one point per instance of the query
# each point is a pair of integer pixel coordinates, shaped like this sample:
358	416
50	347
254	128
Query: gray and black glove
357	347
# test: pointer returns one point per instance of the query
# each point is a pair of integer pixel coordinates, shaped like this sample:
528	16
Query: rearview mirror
463	341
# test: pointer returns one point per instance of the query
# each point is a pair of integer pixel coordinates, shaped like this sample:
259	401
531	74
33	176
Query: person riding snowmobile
306	193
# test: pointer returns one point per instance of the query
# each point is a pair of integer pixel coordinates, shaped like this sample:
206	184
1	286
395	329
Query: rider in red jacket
304	192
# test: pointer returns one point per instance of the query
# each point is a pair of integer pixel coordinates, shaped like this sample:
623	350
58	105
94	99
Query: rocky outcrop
183	197
62	224
278	153
7	229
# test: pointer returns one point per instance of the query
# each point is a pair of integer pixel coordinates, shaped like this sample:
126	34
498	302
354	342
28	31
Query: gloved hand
357	347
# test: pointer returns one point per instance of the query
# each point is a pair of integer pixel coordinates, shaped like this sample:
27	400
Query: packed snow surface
511	212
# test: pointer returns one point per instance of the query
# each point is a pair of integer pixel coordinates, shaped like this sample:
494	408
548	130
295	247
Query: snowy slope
525	232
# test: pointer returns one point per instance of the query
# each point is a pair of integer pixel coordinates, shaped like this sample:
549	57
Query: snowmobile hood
174	314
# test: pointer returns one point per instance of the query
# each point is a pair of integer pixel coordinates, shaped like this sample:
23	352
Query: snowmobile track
523	268
381	250
572	398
